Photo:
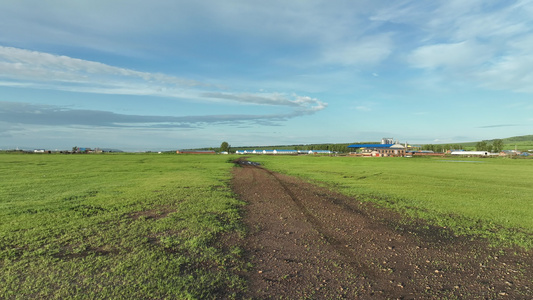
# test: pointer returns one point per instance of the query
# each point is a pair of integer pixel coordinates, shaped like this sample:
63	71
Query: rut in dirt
306	242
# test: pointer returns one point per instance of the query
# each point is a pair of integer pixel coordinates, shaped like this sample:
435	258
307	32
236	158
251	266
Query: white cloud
130	27
480	43
404	12
486	20
302	102
21	64
453	56
363	108
509	72
38	70
31	69
364	51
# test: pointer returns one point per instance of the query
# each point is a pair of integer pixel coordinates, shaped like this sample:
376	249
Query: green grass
128	226
491	197
149	226
520	146
521	143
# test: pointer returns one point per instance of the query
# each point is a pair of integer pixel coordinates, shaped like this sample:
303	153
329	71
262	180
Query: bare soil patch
307	242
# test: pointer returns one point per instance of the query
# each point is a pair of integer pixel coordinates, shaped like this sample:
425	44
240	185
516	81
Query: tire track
309	242
338	244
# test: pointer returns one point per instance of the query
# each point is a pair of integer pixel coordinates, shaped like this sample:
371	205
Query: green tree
497	145
481	146
224	147
430	147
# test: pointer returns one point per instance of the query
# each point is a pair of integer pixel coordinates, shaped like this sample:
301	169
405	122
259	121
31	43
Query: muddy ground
306	242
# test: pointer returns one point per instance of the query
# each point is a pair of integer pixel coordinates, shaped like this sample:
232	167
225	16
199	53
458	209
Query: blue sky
161	75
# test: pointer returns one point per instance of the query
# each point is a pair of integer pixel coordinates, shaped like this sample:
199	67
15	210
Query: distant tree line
488	145
340	148
442	147
496	146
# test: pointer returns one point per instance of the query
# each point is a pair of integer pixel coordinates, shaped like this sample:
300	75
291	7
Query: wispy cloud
498	125
31	69
456	56
483	43
363	108
361	51
49	115
508	72
302	102
44	70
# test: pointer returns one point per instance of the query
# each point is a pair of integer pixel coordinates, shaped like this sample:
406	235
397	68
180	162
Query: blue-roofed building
386	148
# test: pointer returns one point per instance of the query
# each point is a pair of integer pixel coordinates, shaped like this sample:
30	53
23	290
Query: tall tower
387	141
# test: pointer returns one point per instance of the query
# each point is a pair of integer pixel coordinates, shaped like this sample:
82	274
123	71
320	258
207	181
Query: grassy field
129	226
524	146
489	197
520	143
138	226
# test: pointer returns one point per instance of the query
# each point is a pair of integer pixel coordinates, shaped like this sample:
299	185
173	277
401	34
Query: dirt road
306	242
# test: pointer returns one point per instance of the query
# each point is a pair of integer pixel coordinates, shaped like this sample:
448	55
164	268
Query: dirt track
306	242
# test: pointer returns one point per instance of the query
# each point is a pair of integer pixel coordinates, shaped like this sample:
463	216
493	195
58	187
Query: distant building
84	150
387	141
424	153
473	153
318	152
283	152
386	148
509	153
